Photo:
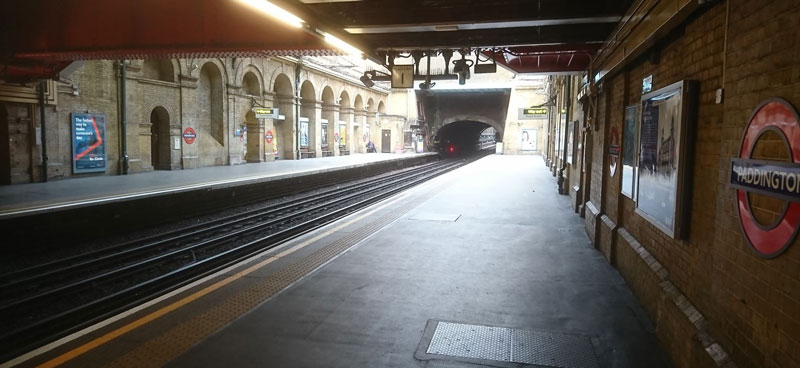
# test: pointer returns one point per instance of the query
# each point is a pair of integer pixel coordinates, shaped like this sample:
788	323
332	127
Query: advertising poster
658	166
88	143
529	139
324	135
303	134
628	148
570	140
342	134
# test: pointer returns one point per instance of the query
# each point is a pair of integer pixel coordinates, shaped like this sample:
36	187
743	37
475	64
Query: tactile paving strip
544	348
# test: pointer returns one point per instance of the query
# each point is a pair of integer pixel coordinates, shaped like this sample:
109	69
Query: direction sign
266	112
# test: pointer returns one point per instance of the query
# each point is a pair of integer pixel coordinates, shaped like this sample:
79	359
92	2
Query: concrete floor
516	257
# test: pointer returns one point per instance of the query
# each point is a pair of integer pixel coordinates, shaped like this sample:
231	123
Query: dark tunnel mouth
464	135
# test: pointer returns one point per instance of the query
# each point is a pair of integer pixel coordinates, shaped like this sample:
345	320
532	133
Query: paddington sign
770	178
777	179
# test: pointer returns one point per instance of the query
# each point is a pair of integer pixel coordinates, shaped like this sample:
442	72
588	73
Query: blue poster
88	143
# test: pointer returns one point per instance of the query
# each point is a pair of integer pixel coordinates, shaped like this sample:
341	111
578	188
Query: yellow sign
538	111
266	112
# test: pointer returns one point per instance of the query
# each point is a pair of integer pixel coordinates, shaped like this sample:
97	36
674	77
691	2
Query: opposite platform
61	213
24	199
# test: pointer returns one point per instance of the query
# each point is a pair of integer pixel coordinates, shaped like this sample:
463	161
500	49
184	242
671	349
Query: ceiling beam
563	34
394	12
442	27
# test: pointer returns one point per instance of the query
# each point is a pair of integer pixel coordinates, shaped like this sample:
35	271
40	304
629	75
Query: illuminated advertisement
88	143
529	139
628	149
303	134
342	134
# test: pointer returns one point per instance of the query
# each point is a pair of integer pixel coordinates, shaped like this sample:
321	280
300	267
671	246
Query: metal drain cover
501	346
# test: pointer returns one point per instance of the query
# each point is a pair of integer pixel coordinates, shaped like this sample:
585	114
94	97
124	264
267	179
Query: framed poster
570	141
88	143
629	152
303	134
529	138
324	135
342	134
663	150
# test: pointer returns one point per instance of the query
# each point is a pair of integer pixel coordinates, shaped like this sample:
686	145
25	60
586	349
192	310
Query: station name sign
533	113
774	178
771	178
266	112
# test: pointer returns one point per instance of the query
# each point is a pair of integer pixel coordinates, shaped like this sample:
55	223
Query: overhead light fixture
274	11
485	68
341	45
461	69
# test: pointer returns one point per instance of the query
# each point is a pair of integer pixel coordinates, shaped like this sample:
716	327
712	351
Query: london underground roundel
776	179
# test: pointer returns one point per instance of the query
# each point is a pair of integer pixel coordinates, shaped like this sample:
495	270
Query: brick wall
757	301
713	300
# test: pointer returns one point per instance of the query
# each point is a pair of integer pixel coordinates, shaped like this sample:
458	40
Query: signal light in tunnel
451	149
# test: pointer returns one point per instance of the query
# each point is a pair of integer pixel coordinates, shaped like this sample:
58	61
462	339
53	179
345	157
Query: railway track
47	301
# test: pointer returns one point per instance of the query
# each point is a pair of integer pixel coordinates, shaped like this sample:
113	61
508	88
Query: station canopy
42	37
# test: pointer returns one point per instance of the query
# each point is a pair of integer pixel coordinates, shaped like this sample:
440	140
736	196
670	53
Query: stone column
286	130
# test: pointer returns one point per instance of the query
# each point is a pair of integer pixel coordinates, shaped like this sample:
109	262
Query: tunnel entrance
465	136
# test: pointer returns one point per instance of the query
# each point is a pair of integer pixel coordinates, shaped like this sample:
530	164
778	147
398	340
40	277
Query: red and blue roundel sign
772	178
189	135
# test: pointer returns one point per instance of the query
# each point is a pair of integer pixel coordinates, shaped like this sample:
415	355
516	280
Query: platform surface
21	197
490	245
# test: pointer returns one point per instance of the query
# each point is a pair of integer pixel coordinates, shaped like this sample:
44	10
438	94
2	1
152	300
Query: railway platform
483	266
125	202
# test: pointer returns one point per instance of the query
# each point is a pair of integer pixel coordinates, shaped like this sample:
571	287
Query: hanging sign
776	179
533	113
189	135
268	136
88	143
266	112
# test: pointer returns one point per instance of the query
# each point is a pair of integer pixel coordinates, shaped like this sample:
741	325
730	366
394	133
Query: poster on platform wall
324	135
304	134
628	148
662	150
570	141
88	143
529	139
342	134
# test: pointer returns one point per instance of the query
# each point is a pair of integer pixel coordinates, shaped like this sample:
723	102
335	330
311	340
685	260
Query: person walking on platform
371	147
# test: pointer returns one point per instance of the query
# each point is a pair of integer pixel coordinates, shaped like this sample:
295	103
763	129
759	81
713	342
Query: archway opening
308	121
250	85
210	120
159	139
345	110
327	136
283	132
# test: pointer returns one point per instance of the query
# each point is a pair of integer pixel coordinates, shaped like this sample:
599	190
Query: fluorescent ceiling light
341	45
274	11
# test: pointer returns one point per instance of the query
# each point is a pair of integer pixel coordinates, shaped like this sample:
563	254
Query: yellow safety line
74	353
